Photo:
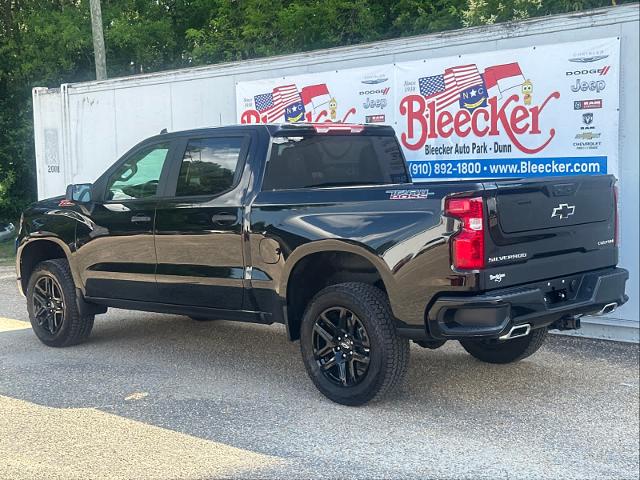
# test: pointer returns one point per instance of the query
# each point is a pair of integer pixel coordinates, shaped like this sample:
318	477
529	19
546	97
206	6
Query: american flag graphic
272	105
445	89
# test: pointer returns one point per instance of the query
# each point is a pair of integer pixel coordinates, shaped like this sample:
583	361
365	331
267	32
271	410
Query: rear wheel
506	351
349	344
51	302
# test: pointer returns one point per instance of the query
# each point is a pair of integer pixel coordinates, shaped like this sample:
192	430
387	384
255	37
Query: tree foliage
48	42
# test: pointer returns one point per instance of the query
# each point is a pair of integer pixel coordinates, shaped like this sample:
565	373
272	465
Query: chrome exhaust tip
607	309
517	331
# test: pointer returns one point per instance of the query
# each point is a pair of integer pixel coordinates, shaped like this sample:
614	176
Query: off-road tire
507	351
389	353
74	328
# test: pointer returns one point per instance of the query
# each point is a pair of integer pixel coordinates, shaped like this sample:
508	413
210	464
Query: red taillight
616	233
467	246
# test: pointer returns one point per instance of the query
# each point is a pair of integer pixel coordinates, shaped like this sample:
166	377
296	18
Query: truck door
198	226
115	253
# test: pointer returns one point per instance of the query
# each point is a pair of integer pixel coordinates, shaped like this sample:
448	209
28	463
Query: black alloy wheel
53	305
48	304
349	344
341	346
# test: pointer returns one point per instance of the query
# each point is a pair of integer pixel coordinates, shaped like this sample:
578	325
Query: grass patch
8	249
7	253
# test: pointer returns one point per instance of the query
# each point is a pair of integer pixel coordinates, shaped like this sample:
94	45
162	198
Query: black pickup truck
319	227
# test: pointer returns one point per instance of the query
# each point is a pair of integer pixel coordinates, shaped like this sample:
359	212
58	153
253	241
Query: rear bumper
541	304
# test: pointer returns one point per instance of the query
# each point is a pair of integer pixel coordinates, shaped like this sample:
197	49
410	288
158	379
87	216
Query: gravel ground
161	396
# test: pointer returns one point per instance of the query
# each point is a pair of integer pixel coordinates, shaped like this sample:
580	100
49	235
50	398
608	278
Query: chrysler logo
564	210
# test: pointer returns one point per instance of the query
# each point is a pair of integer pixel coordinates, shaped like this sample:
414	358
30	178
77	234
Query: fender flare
335	245
40	238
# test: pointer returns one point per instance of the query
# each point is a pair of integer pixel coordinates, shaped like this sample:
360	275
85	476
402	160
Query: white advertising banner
357	95
537	111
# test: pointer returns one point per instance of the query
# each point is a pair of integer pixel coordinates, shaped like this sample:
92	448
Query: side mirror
80	193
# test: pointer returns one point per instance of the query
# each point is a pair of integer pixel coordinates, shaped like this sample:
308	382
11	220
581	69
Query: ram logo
497	277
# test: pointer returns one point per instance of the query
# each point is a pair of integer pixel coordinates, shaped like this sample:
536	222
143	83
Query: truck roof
282	129
287	128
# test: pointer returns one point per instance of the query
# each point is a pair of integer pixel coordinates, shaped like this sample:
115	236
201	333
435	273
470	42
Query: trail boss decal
409	194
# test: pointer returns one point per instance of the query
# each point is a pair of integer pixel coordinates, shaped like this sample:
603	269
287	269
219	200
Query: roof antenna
164	130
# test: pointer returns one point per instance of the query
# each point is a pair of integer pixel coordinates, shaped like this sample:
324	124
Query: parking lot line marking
10	324
46	442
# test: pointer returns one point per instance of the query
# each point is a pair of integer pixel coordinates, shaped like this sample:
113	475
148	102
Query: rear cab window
315	161
209	166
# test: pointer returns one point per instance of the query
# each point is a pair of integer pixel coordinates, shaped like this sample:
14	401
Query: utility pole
98	40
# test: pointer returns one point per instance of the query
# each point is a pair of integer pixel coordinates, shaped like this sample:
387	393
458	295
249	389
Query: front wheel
51	302
506	351
349	344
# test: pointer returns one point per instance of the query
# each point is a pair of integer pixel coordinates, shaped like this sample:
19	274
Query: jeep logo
592	86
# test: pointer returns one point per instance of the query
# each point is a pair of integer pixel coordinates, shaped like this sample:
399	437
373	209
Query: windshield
334	160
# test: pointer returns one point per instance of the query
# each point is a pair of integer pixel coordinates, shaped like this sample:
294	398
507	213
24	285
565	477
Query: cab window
138	176
333	161
209	166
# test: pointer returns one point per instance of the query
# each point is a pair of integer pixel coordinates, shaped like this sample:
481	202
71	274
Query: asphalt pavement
162	396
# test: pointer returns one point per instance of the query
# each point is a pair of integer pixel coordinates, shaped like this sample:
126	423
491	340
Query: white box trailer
82	128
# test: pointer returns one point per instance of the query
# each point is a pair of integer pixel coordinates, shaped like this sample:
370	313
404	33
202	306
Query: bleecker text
425	121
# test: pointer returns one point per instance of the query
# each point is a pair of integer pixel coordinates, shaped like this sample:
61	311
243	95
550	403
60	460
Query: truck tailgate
546	228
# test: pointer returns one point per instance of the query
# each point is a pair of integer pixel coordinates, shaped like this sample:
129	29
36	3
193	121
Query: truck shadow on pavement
245	385
256	359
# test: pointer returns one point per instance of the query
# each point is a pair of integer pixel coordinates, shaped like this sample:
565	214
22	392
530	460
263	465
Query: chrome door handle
141	219
224	218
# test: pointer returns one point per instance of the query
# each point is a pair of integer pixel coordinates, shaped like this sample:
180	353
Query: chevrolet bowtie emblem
564	210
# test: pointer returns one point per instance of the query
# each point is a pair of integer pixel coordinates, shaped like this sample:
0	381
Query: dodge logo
563	210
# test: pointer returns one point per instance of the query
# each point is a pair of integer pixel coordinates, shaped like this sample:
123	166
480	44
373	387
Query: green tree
48	42
41	42
487	12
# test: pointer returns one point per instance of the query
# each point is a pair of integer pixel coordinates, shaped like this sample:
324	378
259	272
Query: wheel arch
36	250
331	262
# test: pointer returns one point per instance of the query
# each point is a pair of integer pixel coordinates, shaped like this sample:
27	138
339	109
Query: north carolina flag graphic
316	95
500	78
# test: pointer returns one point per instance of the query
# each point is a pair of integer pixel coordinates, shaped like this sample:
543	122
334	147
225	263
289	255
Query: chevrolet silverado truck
318	227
